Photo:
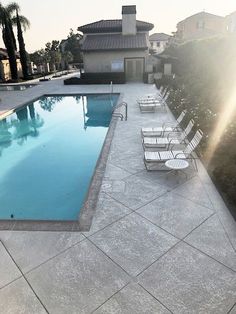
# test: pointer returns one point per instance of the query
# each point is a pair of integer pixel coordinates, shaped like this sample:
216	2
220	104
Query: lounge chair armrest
170	148
170	133
169	123
177	128
165	125
189	157
176	156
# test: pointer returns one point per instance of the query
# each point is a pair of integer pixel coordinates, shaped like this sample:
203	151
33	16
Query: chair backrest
187	130
164	91
166	96
194	142
181	116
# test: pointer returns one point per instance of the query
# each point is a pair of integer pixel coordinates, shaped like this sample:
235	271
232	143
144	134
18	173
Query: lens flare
225	117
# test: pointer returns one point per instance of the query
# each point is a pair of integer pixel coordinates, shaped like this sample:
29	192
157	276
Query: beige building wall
19	68
5	71
201	26
230	21
108	61
158	45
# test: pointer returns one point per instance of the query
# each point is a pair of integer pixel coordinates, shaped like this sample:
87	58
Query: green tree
54	54
38	57
73	44
67	57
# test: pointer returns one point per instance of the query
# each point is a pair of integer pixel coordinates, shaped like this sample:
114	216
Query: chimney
129	20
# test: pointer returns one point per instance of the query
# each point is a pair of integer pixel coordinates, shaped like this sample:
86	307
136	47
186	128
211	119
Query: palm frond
12	8
25	23
2	13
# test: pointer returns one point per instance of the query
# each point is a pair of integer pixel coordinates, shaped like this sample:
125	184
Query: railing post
120	114
111	92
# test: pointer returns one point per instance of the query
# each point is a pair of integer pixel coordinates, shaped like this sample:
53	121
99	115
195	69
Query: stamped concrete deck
158	243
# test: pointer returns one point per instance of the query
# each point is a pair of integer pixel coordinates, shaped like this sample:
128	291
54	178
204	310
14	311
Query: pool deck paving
159	243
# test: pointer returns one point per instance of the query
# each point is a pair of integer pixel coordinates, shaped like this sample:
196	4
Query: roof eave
99	30
111	30
114	49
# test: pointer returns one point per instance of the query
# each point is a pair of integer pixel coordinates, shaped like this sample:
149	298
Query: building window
200	24
117	66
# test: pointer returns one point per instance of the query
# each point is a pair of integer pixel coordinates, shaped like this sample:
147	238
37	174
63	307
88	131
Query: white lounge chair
161	157
155	96
149	97
148	101
165	127
173	138
150	104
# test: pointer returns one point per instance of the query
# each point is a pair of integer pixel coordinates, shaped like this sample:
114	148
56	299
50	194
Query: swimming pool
21	87
48	153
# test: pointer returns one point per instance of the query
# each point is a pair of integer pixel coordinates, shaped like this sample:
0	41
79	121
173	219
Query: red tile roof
115	42
111	26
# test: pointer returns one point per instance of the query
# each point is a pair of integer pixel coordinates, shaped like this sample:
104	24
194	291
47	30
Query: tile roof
115	42
4	54
159	36
103	26
201	14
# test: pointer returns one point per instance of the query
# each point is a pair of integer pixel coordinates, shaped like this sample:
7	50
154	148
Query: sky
52	19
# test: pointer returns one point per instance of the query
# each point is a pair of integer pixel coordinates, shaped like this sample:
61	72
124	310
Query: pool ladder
119	114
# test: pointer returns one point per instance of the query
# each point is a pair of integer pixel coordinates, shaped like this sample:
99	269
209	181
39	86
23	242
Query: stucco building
231	22
200	25
158	42
112	46
5	71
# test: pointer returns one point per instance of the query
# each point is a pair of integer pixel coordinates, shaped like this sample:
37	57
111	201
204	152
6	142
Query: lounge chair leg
195	163
145	164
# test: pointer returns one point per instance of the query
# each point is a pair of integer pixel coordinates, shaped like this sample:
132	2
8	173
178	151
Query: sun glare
225	117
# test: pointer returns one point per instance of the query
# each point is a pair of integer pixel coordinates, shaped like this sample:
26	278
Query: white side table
177	165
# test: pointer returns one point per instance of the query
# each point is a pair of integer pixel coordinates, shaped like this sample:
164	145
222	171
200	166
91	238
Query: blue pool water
48	153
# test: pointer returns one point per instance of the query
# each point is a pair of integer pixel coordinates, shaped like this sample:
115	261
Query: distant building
230	21
5	71
158	42
199	26
122	45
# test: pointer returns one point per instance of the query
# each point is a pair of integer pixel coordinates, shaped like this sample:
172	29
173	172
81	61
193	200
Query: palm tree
9	10
8	37
20	22
9	17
